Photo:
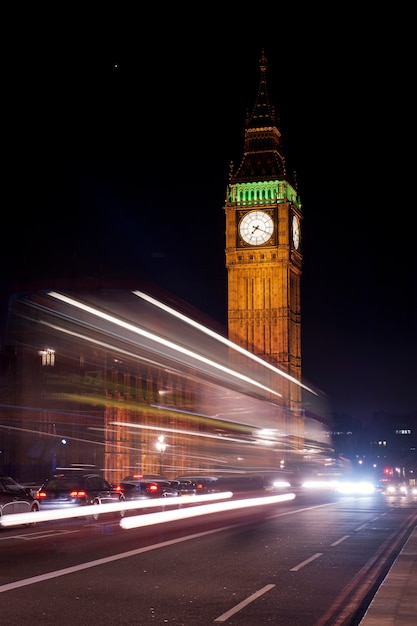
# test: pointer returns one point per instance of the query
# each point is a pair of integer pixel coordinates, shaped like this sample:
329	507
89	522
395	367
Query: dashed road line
241	605
306	562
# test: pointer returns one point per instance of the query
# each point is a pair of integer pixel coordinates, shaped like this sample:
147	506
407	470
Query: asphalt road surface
304	562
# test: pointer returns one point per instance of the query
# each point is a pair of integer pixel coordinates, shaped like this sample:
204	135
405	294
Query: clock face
256	228
295	232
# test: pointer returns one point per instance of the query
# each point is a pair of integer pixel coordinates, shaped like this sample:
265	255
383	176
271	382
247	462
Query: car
15	498
278	483
395	489
195	485
143	487
67	491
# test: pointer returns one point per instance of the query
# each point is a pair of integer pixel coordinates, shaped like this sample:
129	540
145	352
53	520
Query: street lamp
48	357
161	447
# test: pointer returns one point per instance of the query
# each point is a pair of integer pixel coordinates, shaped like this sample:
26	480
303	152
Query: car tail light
199	486
41	494
153	488
77	494
119	488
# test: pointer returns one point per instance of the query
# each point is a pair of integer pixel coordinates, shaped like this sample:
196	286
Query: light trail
163	342
219	338
22	519
150	369
180	431
205	509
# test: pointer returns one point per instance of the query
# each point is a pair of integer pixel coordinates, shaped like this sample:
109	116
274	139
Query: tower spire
263	114
263	158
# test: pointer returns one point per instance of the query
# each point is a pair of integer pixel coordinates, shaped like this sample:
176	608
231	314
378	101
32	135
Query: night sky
119	138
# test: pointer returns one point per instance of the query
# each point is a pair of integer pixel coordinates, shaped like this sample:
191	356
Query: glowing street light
161	447
48	357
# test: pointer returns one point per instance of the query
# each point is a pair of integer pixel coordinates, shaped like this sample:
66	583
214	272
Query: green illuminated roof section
262	193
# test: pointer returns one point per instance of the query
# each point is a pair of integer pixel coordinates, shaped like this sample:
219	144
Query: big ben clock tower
263	248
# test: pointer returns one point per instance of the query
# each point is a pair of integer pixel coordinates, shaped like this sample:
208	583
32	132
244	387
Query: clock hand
258	228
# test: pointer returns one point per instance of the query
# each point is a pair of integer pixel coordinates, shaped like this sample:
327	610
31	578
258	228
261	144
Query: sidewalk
395	602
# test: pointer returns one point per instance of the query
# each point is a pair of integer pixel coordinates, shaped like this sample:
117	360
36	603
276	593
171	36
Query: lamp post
161	447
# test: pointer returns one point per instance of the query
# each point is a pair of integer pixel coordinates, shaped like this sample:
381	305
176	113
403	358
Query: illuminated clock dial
256	227
295	232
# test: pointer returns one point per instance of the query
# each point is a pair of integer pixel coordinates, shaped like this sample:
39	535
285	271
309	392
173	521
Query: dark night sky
122	171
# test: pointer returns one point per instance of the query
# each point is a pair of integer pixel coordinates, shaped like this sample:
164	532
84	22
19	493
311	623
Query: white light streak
159	340
22	519
220	338
194	433
205	509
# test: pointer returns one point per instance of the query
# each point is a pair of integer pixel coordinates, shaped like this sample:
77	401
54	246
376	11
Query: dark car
143	487
195	485
14	498
68	491
395	489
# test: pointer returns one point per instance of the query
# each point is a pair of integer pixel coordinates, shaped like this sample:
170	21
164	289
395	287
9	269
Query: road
304	562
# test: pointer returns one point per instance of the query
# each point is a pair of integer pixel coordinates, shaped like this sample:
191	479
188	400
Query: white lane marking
300	565
56	574
116	557
241	605
38	535
336	543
